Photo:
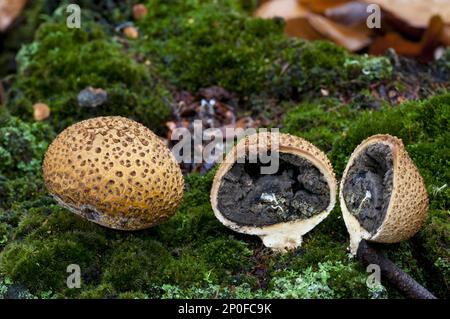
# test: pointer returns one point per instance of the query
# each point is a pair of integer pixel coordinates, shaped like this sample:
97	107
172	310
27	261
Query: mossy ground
188	45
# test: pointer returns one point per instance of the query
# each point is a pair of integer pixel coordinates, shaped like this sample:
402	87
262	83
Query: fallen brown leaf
171	125
286	9
320	6
422	50
352	38
397	42
445	35
295	16
350	13
9	11
301	28
304	24
344	23
416	13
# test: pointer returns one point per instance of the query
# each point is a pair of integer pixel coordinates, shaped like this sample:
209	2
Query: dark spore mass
298	190
368	186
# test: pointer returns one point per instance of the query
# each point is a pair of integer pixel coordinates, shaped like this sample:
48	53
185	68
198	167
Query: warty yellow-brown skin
115	172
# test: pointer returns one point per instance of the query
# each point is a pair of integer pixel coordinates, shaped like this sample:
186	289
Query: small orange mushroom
41	111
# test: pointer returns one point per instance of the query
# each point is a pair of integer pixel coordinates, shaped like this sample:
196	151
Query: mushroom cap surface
408	203
115	172
284	235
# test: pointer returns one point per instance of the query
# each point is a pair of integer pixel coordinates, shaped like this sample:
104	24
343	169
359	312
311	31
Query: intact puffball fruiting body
382	195
279	206
115	172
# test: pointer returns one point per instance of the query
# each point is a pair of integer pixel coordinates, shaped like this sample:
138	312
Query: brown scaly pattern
115	172
409	202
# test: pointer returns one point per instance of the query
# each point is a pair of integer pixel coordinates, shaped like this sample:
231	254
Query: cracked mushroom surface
382	195
280	206
115	172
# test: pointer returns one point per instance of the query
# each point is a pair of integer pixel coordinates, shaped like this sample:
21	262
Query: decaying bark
392	273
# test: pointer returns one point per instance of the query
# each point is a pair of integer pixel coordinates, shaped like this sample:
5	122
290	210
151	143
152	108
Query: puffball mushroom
115	172
382	194
282	206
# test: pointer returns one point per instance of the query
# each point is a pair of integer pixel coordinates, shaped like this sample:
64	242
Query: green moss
369	69
41	232
145	260
193	44
62	62
321	267
196	44
420	125
307	283
329	280
226	254
319	247
26	188
207	44
133	295
186	269
22	145
102	291
5	233
434	240
402	254
423	127
42	264
348	280
194	220
40	221
10	290
108	13
8	223
325	65
209	291
322	122
193	255
11	41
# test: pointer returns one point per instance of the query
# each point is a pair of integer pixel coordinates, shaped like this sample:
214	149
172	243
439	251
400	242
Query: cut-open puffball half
278	198
382	194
